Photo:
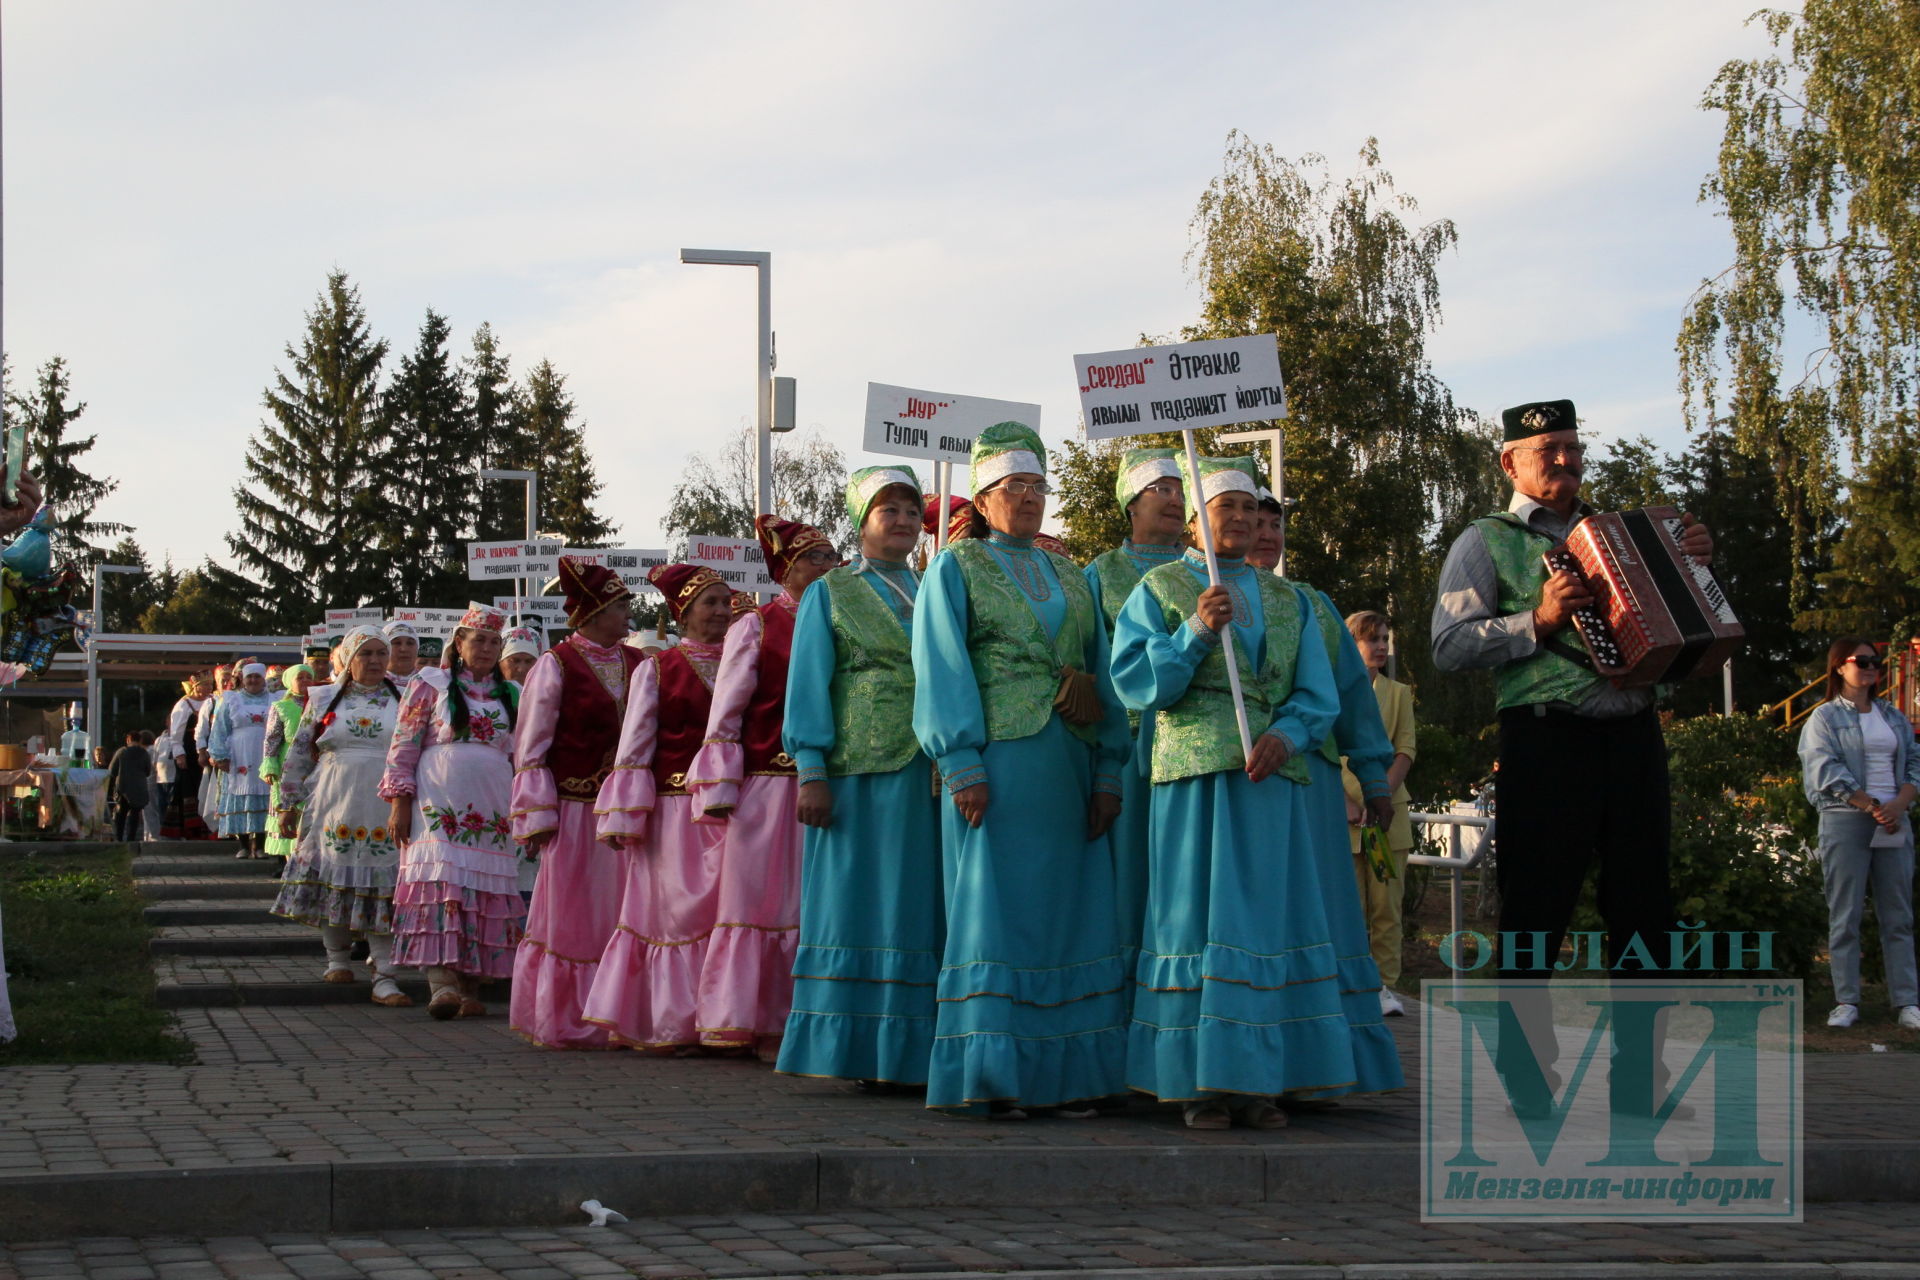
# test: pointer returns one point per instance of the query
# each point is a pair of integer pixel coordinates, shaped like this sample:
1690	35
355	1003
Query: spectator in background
1381	901
127	787
1861	770
156	784
518	656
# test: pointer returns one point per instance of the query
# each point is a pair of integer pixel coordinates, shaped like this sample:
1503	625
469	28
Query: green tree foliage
54	454
209	600
1811	337
430	491
126	596
568	487
308	515
497	417
1385	467
715	496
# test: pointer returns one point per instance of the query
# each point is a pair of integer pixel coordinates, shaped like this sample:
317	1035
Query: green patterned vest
1118	578
1015	666
1546	676
872	680
1197	735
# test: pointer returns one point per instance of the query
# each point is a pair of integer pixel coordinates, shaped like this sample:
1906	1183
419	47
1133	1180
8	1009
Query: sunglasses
1859	661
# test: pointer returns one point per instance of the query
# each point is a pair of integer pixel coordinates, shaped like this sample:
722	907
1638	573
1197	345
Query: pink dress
456	903
576	898
646	991
746	781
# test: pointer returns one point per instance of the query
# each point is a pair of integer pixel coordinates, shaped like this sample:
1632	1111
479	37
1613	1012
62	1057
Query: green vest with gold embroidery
1118	577
1015	666
1547	676
872	680
1198	734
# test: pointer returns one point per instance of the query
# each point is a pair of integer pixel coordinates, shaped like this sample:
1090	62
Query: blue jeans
1852	867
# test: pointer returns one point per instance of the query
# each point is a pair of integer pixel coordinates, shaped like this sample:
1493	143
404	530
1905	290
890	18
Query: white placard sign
335	616
549	610
1186	386
738	560
491	561
629	563
439	622
907	423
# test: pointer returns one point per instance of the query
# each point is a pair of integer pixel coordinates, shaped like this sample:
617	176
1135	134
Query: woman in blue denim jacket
1861	769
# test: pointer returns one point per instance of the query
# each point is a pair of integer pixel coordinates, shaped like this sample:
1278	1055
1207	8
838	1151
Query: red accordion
1656	614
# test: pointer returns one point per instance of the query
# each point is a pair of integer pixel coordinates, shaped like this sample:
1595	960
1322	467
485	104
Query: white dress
342	869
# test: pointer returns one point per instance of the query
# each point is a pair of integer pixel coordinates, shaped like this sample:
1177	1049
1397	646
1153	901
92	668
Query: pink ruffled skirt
456	904
746	985
576	905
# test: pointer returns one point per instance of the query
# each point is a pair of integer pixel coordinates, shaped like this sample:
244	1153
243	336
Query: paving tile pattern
1138	1241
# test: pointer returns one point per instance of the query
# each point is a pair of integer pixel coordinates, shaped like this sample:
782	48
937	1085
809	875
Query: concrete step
204	982
185	848
282	938
203	864
228	911
172	888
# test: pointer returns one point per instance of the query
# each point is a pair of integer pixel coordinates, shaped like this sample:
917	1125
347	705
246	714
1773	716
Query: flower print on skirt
456	903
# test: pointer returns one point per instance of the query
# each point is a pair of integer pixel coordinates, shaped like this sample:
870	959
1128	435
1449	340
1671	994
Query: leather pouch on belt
1078	701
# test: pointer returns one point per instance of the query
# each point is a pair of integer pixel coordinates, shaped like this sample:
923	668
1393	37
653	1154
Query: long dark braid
457	714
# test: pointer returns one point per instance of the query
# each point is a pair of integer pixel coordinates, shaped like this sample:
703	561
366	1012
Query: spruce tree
55	457
568	486
428	488
306	508
498	417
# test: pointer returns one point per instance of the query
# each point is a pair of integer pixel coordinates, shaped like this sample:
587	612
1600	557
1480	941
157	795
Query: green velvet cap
1140	468
1239	474
866	484
1537	418
1006	449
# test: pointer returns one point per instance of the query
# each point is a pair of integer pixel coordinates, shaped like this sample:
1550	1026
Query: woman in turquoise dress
871	917
1237	996
1012	701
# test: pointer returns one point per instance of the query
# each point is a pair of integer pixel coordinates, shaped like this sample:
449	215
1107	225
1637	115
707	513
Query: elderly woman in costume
403	653
521	651
283	722
871	918
223	682
1149	489
340	878
183	820
457	911
238	744
744	778
1237	994
647	990
570	715
1012	701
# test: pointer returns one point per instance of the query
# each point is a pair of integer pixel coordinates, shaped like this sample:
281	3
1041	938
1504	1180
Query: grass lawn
79	976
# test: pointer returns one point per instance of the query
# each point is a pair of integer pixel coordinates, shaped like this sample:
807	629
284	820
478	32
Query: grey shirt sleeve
1468	629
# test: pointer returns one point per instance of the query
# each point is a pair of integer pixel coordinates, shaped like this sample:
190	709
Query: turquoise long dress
1128	836
1031	988
1238	987
1358	735
872	919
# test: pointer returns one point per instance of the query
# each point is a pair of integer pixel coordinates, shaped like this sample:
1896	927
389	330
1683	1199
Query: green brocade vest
1118	578
872	680
1015	666
1198	735
1546	676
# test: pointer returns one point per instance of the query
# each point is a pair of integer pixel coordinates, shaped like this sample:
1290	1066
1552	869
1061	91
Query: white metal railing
1455	861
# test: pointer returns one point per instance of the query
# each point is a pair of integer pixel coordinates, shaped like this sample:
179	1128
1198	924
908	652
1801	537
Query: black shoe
360	951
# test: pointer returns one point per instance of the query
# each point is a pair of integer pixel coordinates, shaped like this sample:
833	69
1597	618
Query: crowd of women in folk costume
987	831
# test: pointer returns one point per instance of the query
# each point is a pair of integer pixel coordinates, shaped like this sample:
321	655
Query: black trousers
1575	792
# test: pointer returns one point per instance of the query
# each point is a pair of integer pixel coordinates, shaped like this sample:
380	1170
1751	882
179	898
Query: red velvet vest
766	712
685	701
587	733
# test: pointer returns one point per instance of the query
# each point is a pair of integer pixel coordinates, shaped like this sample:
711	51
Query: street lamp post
763	362
93	653
532	481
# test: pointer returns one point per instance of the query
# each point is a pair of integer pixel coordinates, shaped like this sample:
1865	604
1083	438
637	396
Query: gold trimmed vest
1515	550
1014	664
1198	735
872	679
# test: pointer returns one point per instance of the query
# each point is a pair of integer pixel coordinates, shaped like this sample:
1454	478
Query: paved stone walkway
1350	1240
359	1082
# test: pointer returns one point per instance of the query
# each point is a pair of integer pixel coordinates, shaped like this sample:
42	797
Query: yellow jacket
1396	713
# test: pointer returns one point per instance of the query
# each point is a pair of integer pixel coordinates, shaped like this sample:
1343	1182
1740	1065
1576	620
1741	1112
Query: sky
957	197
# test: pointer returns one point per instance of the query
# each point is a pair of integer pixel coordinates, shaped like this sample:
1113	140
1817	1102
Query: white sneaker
1910	1018
1390	1006
1843	1015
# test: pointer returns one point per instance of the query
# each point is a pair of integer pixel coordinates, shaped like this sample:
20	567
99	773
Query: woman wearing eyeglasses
1013	702
744	778
1861	769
